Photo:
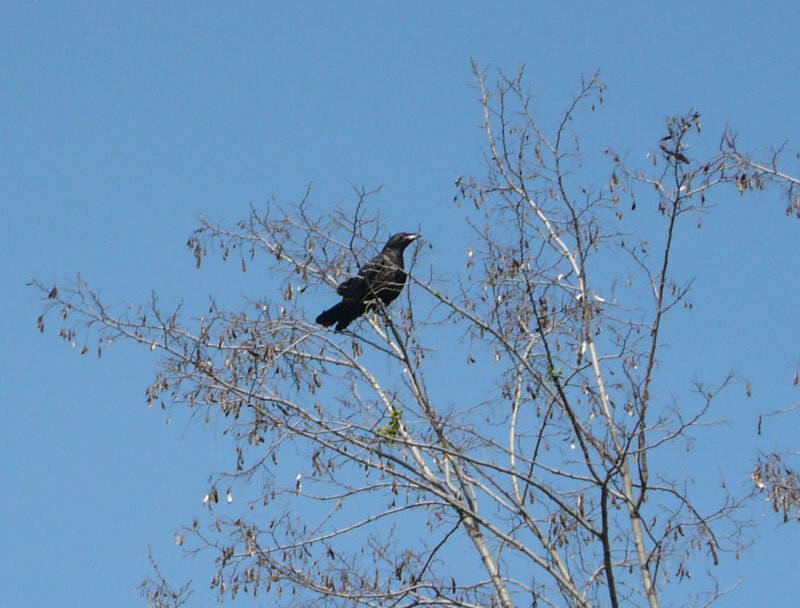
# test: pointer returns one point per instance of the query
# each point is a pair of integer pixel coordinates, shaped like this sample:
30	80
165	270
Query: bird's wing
353	288
372	275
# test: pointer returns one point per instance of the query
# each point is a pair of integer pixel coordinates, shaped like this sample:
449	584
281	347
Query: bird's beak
412	237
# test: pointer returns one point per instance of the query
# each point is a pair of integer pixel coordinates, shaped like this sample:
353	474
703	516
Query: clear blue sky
121	121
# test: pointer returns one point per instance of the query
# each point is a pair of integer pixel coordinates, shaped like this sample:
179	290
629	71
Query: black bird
382	278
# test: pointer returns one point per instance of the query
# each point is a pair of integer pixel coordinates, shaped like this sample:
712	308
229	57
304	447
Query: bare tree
548	485
773	473
159	592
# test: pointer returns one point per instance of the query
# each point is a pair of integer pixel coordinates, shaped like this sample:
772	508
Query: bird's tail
343	313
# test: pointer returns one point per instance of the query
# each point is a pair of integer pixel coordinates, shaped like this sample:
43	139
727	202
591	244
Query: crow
382	278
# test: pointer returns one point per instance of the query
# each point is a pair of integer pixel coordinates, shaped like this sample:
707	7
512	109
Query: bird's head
401	240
